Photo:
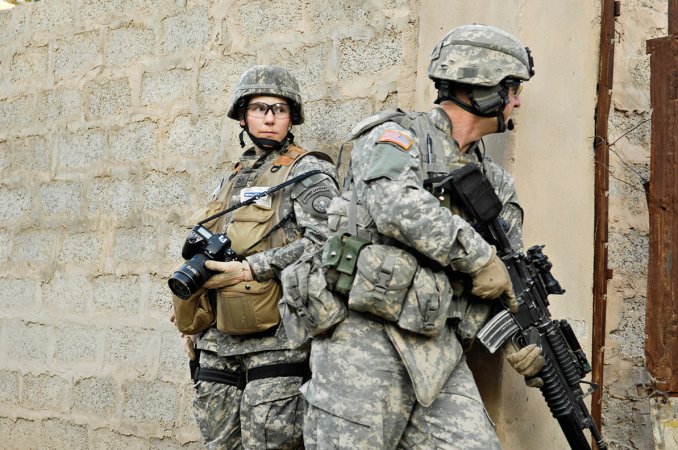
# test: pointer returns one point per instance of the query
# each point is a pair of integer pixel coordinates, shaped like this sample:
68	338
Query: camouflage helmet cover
480	55
268	80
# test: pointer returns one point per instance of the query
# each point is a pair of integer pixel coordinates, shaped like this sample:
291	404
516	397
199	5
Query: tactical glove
527	361
228	273
492	280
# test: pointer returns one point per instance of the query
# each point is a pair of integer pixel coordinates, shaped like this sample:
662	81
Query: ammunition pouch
384	275
383	280
248	307
427	302
340	257
308	308
389	283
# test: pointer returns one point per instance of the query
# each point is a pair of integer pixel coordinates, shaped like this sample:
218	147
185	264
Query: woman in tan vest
249	374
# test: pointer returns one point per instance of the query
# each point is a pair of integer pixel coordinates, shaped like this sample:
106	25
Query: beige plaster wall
550	154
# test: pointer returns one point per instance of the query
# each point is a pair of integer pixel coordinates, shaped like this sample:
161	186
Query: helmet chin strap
502	124
263	143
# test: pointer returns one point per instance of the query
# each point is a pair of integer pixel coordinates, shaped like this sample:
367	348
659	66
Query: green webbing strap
352	225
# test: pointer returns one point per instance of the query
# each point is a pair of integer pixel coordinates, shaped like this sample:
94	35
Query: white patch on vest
215	192
247	193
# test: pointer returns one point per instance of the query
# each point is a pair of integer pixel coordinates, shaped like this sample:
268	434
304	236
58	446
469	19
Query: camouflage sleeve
512	213
402	209
310	199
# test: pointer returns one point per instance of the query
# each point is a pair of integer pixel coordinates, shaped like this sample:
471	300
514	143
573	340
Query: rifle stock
565	362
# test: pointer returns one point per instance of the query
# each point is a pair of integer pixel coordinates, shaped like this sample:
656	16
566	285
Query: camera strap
270	232
256	197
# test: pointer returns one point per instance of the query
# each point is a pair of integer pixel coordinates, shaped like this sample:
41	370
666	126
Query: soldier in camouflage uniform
247	388
384	383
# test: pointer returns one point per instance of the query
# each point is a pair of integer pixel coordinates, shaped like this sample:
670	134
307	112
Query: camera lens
178	285
189	277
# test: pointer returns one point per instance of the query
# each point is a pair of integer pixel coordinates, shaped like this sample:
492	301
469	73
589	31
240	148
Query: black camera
200	246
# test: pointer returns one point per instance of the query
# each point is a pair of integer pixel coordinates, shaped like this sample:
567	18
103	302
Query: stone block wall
112	126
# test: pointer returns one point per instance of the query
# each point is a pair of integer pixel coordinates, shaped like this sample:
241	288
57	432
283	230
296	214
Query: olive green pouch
340	257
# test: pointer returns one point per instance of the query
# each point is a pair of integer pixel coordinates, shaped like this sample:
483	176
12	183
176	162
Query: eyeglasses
259	110
515	87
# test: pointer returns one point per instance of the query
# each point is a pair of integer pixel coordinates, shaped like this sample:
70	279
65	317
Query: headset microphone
510	125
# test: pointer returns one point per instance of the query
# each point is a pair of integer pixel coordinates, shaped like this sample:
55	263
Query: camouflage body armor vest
354	231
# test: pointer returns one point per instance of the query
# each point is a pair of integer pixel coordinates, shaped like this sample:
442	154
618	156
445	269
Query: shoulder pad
320	155
372	121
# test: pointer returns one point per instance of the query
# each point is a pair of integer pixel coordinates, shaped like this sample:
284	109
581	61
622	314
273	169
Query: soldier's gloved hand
527	361
492	280
228	273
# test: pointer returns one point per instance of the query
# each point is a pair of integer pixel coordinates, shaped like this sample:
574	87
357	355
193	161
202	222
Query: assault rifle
565	363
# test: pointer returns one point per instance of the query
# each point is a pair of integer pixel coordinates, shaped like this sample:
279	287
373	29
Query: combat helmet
267	80
483	60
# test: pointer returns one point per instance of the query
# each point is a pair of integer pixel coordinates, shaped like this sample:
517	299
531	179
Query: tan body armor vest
252	306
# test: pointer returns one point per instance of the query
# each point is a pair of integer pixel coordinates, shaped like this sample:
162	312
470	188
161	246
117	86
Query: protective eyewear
259	110
515	87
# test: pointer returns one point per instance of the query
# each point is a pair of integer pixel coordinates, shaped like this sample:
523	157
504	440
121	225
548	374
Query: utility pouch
248	226
248	307
427	303
340	257
308	308
384	274
193	315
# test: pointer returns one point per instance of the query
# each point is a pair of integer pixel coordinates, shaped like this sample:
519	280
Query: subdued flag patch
396	137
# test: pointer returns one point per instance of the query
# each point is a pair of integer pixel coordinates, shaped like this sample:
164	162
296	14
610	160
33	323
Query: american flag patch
396	137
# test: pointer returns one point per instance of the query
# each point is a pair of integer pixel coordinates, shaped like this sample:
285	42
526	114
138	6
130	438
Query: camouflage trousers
267	414
361	396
